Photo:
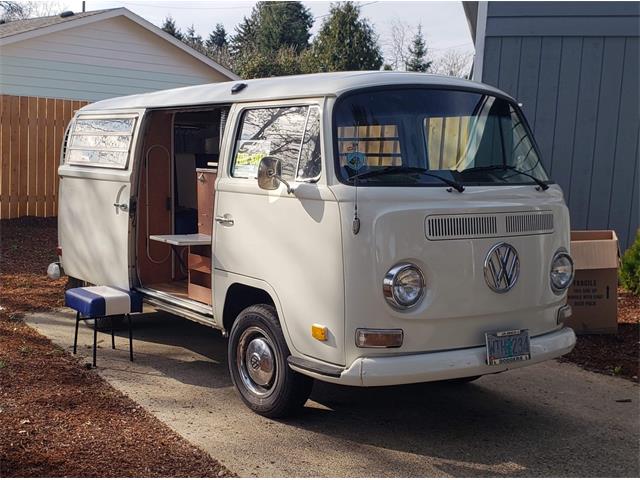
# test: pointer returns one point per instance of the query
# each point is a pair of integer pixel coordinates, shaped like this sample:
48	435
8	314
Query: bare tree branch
19	10
397	44
453	63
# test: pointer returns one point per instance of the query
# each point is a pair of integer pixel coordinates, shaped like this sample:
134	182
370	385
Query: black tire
280	391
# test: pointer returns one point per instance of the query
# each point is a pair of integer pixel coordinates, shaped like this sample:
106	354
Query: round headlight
403	286
561	272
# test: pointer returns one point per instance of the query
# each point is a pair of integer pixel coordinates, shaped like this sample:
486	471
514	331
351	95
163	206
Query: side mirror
270	174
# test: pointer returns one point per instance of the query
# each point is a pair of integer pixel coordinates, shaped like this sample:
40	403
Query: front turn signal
319	332
379	338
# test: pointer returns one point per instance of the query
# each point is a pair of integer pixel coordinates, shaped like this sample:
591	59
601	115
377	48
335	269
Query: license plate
509	346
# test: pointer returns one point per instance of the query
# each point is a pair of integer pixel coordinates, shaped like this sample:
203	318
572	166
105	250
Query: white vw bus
361	228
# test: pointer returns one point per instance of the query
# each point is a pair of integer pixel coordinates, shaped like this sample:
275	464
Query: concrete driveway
551	419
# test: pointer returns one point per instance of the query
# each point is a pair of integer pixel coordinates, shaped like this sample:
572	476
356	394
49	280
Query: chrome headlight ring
559	258
403	286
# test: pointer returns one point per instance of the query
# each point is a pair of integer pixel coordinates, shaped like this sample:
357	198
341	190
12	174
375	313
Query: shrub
630	267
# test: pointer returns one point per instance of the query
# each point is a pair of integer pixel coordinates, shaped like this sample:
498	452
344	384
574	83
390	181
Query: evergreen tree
217	38
244	39
417	61
169	26
270	41
283	25
216	46
194	40
271	27
345	42
254	64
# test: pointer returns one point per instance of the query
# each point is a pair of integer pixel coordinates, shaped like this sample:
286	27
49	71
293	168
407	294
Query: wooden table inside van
185	240
199	244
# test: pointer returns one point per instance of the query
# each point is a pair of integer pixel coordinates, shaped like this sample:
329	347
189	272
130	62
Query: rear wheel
258	364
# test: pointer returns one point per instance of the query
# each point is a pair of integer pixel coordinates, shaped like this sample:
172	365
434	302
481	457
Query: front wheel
258	364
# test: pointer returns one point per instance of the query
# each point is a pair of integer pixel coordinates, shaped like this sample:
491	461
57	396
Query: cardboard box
594	294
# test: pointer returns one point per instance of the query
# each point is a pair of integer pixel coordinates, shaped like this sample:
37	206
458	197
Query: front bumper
428	367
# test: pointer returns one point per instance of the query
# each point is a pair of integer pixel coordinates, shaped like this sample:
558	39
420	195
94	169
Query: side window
310	164
523	155
100	142
279	132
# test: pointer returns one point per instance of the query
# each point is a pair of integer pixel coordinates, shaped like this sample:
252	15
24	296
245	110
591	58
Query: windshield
467	137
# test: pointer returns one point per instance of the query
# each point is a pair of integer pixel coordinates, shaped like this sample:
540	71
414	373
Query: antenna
355	226
356	221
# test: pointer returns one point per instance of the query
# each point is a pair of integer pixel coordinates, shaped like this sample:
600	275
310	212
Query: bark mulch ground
613	354
59	419
56	417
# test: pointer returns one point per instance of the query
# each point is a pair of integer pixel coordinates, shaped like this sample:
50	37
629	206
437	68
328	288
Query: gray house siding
574	66
107	58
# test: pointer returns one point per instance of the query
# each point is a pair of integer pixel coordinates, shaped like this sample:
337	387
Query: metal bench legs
130	339
95	335
75	338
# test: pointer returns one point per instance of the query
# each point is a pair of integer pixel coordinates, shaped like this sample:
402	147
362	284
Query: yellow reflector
319	332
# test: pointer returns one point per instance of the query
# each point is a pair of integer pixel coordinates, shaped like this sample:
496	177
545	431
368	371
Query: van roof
280	88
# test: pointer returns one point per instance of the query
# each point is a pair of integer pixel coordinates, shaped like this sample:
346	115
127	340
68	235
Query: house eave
116	12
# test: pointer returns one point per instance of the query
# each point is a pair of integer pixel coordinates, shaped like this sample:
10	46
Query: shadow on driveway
549	419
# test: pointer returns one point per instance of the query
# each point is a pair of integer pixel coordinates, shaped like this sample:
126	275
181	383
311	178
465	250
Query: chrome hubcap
260	361
256	361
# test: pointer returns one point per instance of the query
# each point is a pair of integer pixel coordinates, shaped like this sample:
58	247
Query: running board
183	308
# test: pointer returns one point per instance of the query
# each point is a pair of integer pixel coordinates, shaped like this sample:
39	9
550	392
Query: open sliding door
96	197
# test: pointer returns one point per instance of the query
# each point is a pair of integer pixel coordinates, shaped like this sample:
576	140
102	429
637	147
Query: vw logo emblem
501	268
254	361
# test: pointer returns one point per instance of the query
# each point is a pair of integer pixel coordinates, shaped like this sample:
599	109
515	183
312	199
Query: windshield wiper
543	186
399	169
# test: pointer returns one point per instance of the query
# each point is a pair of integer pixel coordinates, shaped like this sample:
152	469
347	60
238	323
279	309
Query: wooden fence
31	134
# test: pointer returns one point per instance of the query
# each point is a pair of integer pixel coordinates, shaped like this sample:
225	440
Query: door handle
225	220
122	206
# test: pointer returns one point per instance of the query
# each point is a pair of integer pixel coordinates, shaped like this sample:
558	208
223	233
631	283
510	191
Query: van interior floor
175	289
173	297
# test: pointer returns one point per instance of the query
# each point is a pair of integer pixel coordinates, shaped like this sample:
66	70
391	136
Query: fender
223	280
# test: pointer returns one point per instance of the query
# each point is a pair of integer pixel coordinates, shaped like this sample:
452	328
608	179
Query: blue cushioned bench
92	303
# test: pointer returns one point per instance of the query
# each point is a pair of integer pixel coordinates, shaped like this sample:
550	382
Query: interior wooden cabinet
176	191
199	287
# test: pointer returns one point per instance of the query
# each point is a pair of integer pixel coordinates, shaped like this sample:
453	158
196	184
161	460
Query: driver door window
291	134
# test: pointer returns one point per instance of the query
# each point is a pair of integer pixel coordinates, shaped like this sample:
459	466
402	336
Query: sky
443	23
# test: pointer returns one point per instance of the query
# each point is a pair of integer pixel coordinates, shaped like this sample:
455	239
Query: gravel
613	354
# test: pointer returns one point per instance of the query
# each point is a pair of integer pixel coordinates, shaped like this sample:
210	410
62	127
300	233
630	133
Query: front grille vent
529	223
441	227
488	225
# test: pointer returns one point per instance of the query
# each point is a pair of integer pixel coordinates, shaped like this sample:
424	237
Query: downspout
481	30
